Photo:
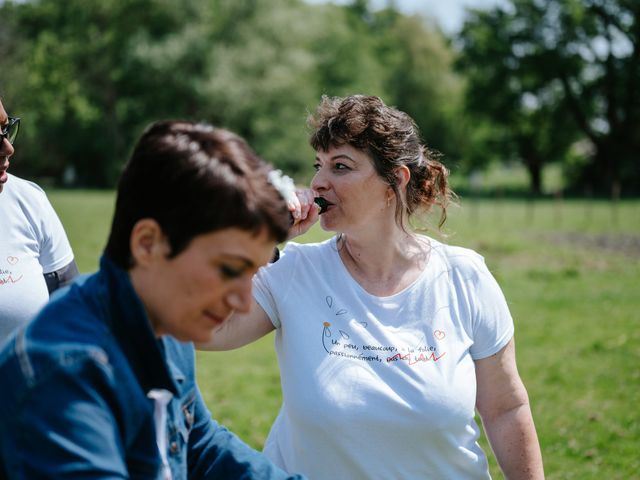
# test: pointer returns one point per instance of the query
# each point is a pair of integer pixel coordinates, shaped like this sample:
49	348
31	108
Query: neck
376	254
386	264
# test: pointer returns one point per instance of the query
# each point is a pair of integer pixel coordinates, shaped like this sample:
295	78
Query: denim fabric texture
74	402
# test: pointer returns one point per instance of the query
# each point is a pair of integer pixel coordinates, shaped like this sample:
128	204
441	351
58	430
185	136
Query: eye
230	272
340	166
316	166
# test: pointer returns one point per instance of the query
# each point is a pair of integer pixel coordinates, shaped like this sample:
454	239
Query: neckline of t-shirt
423	277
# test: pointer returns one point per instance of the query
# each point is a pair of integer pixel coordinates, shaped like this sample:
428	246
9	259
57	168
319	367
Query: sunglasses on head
10	130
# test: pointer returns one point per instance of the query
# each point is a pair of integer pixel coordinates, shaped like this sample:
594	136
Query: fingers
303	205
295	207
305	213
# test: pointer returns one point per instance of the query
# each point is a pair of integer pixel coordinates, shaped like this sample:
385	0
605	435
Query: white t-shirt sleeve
55	250
491	322
273	281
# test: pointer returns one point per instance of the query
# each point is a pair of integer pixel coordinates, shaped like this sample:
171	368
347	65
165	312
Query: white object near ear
283	184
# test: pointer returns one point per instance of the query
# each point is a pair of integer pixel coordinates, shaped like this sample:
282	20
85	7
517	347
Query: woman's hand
304	212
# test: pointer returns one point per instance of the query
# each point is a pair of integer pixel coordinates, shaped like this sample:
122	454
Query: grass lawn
571	274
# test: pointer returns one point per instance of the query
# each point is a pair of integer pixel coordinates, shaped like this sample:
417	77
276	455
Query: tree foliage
551	75
87	76
535	80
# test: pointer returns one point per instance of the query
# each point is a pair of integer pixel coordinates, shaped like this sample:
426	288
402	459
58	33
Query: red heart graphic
439	334
12	260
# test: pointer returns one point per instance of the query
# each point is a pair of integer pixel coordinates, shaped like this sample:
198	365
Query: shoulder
456	256
32	359
460	261
27	196
296	261
71	333
75	314
25	189
311	251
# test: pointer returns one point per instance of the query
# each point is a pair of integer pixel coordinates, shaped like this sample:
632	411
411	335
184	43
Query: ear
147	242
403	175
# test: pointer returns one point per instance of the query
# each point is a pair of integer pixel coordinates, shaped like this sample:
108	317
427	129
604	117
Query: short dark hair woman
100	384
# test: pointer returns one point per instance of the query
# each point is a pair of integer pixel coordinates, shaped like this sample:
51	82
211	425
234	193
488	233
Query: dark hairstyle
194	179
392	139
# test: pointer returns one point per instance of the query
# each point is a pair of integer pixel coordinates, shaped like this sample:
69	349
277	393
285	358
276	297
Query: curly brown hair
392	139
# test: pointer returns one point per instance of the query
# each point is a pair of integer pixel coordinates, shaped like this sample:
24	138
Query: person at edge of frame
35	256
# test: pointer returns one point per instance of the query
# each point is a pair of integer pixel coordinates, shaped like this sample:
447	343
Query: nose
239	299
319	181
6	149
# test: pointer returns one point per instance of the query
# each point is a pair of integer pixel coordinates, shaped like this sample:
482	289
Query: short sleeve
273	281
55	250
492	324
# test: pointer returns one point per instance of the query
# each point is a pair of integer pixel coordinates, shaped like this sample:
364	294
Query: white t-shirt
32	242
380	387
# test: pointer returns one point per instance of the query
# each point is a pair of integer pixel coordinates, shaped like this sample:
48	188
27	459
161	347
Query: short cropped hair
194	179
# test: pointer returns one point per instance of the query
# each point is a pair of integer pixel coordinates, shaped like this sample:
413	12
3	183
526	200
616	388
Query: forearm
513	438
239	330
215	452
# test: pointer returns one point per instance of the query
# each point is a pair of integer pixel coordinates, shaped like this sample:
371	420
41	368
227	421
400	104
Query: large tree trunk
535	177
533	161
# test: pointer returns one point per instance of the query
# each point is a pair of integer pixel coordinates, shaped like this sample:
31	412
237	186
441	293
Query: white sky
448	13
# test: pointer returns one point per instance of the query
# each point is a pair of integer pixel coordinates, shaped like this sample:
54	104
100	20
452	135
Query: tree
506	90
421	80
88	76
260	77
406	60
82	83
549	72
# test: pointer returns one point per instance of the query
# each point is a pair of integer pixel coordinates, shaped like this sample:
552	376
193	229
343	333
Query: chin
326	225
200	337
186	335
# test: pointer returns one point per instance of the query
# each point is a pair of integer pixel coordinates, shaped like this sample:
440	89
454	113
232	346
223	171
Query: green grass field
571	274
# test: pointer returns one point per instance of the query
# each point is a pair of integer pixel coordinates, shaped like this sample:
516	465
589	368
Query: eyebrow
339	156
237	257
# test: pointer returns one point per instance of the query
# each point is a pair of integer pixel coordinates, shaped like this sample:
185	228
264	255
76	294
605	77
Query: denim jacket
74	402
